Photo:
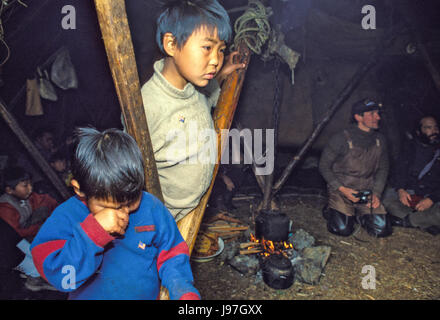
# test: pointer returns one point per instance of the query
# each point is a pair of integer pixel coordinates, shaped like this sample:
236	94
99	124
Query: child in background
179	96
60	164
24	210
118	241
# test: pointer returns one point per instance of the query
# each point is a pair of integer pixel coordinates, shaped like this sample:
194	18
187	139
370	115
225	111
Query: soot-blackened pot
277	271
272	225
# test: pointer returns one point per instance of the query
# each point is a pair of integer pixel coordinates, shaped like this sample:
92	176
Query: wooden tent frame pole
116	34
33	151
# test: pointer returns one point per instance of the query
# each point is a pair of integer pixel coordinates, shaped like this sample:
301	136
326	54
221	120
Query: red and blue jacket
75	254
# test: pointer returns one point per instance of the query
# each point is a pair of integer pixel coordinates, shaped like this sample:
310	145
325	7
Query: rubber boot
339	223
377	225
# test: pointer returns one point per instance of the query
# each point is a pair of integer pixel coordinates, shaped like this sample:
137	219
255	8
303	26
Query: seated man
356	160
417	180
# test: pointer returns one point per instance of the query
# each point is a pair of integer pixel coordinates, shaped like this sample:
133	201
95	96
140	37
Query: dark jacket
338	146
412	160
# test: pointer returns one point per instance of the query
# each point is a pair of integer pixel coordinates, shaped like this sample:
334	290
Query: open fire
265	247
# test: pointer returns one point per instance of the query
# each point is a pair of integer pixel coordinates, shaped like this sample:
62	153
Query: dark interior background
327	34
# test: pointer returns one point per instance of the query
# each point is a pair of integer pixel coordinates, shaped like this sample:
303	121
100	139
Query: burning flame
269	247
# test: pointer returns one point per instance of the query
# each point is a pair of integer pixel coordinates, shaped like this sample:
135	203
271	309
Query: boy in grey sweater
179	96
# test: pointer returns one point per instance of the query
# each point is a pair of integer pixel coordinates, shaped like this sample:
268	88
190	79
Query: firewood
249	244
228	235
252	251
226	228
222	216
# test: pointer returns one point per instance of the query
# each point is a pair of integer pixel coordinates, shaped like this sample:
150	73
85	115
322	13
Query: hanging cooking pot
272	225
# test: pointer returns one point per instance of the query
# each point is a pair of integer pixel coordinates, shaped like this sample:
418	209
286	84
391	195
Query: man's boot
399	222
377	225
339	223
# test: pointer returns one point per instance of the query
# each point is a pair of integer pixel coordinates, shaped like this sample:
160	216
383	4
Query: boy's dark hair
182	17
108	165
14	175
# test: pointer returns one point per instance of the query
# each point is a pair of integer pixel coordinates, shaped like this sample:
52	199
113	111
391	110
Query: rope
253	27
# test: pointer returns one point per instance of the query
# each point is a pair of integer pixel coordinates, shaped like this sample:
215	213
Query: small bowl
221	246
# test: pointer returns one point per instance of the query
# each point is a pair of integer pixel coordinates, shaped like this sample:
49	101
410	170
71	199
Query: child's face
199	60
95	205
22	190
59	165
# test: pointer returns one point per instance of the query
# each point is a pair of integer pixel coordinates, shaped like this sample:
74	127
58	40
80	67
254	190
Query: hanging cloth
47	90
33	101
63	73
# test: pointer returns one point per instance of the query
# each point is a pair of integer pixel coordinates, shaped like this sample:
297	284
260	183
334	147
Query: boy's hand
113	221
229	67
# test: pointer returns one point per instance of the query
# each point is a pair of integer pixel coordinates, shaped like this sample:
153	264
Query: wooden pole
429	64
340	99
33	151
223	116
116	34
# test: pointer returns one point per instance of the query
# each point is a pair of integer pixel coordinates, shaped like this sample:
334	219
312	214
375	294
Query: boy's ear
76	188
169	44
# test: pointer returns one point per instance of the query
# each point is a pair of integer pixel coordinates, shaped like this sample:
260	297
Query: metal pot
272	225
277	271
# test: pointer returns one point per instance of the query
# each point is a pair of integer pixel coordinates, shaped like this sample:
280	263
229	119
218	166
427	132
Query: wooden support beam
429	63
33	151
116	34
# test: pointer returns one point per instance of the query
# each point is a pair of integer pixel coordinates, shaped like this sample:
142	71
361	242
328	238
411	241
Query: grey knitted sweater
183	137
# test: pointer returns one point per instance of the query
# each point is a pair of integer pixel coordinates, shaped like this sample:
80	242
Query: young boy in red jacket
22	209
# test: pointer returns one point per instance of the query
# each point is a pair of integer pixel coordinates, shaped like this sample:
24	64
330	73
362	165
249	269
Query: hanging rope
4	5
253	27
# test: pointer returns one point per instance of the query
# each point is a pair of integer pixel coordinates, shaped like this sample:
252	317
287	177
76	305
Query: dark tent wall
327	34
34	34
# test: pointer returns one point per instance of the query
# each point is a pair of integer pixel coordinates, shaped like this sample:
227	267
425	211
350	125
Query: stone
231	249
308	268
301	240
245	264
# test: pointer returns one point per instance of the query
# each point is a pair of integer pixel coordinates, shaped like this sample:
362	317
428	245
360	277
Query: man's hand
228	182
229	67
349	193
424	204
375	202
404	197
113	221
